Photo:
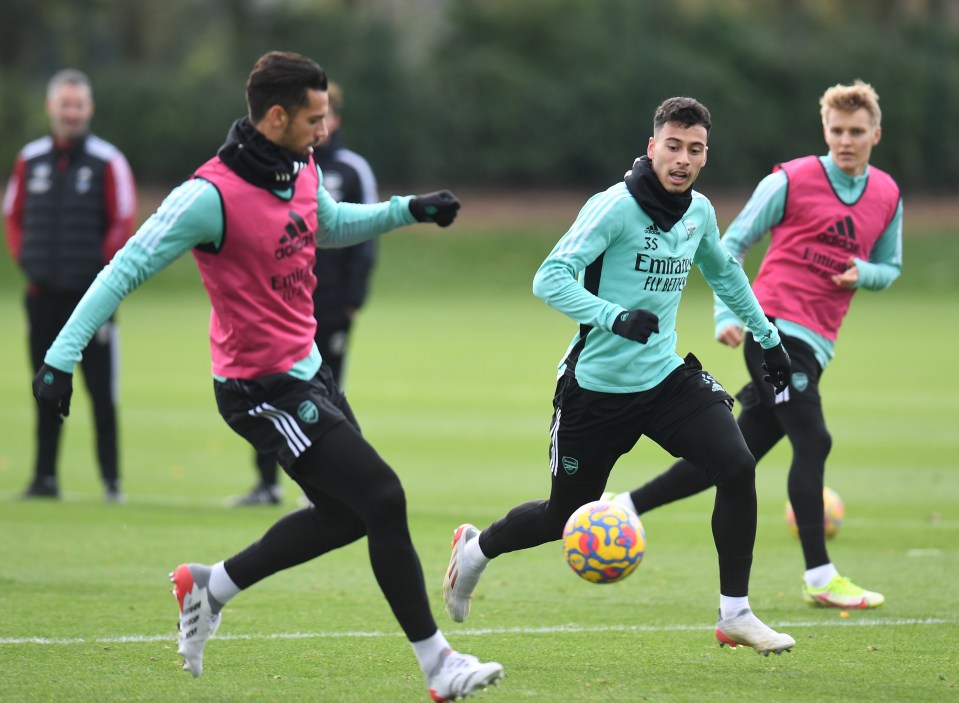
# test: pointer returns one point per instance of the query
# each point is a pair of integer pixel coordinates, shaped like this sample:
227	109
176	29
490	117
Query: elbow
879	278
552	278
883	285
897	272
541	289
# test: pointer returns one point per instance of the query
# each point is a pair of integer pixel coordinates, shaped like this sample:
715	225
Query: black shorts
590	430
282	416
803	386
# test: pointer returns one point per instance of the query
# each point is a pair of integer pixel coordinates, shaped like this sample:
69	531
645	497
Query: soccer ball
834	510
603	542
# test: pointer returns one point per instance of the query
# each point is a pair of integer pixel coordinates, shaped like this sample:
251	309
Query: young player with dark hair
342	275
835	225
619	272
252	217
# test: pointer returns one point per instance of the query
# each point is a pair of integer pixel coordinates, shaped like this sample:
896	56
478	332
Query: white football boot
197	622
461	576
457	676
746	629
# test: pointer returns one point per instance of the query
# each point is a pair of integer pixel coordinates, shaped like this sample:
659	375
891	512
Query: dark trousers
332	341
47	313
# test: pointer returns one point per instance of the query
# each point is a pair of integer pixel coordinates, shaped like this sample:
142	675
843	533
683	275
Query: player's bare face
850	137
678	154
307	126
70	108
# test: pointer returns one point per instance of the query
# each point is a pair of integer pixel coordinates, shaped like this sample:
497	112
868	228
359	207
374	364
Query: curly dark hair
684	111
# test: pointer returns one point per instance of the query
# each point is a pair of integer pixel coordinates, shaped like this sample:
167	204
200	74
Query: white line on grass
136	639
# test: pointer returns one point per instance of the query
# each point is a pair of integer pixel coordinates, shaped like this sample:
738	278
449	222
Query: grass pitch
451	375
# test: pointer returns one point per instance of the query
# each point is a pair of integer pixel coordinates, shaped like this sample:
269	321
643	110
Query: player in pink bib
253	217
835	225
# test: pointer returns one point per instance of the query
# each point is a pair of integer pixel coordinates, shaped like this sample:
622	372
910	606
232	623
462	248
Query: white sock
820	575
429	652
474	555
730	606
221	585
625	500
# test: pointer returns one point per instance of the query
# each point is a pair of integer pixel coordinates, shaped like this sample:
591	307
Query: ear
277	116
877	136
705	155
649	147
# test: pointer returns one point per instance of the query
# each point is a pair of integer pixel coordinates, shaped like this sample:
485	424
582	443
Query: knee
737	467
818	443
387	499
327	514
809	464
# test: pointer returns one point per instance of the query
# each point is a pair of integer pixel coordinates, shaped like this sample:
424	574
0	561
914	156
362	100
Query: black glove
52	388
776	362
636	325
439	207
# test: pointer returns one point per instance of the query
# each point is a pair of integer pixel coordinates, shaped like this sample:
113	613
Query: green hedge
498	92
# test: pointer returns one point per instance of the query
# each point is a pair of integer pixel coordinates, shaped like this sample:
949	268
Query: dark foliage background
493	93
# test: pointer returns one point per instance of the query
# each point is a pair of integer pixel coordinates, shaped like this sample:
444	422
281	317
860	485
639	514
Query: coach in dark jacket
69	207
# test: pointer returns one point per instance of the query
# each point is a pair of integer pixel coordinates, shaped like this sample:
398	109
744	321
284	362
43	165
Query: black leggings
763	427
354	493
711	440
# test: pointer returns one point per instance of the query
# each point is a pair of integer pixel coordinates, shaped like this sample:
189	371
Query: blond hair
849	98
